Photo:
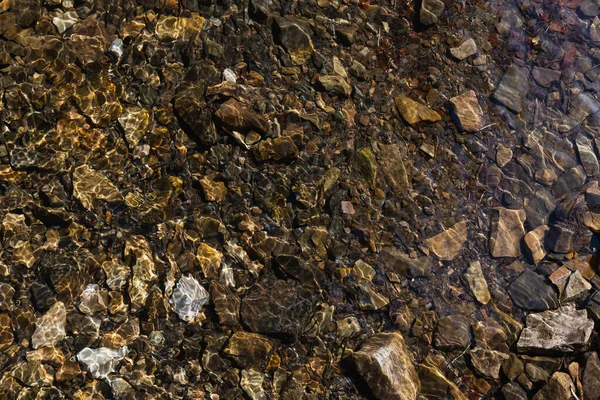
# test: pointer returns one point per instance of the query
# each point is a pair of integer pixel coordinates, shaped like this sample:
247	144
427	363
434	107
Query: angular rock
294	36
570	180
577	288
188	298
563	330
448	244
466	49
531	292
209	259
135	121
384	363
452	333
544	76
534	243
143	268
565	239
392	167
90	186
507	232
589	8
431	11
50	329
591	377
476	281
249	350
595	30
240	117
560	386
65	20
170	28
280	148
414	112
252	383
512	391
489	334
434	384
512	88
587	156
487	362
101	361
6	333
467	112
335	85
226	302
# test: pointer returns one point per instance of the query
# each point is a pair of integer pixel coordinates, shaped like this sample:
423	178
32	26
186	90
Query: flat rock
50	328
101	361
279	148
89	186
466	49
534	243
249	350
384	363
558	387
489	334
467	112
448	244
577	288
512	88
563	330
503	155
188	298
336	85
294	36
431	11
476	281
414	112
531	292
544	76
507	232
238	116
562	238
595	30
487	362
452	333
589	8
569	181
591	377
587	156
512	391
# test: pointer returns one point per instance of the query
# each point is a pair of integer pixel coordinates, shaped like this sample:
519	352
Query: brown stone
467	112
249	350
507	232
447	244
558	387
534	242
414	112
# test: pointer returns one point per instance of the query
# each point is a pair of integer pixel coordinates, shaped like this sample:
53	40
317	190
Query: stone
503	155
90	186
559	278
135	122
434	384
249	350
587	156
577	288
346	33
294	36
507	232
414	112
563	330
93	300
121	389
32	373
170	28
384	363
50	328
65	20
595	30
188	298
572	179
560	386
102	361
477	283
512	88
143	270
335	84
466	49
227	303
430	11
565	239
489	334
259	9
6	294
535	373
237	116
447	245
369	297
512	367
209	259
6	332
512	391
487	362
591	377
467	112
252	383
546	176
367	165
534	243
589	8
452	333
531	292
280	148
285	313
545	77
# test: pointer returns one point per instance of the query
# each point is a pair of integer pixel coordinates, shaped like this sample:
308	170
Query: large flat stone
447	244
507	232
512	88
531	292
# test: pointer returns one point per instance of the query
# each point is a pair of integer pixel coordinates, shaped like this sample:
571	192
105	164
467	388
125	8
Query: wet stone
249	350
569	181
487	362
448	244
544	76
512	88
294	36
558	387
589	8
238	116
89	186
587	156
466	49
577	288
227	303
467	112
503	155
452	333
252	383
534	243
188	298
512	391
50	328
102	361
6	334
335	84
280	148
477	283
507	232
431	11
563	330
591	376
384	363
414	112
531	292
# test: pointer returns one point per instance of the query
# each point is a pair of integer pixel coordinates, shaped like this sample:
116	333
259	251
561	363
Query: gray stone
563	330
476	281
50	329
467	48
512	88
512	391
531	292
590	8
188	298
101	361
577	288
595	30
544	76
431	11
591	377
384	363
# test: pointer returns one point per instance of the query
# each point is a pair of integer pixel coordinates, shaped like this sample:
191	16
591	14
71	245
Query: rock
249	350
434	384
90	186
589	8
507	232
170	28
559	278
546	176
535	373
50	329
384	363
467	48
487	362
570	180
431	11
448	244
512	88
138	253
65	20
237	116
544	76
587	156
280	148
534	243
121	389
531	292
452	333
93	300
563	330
369	297
414	112
565	239
476	281
336	85
252	383
503	155
135	121
367	165
558	387
188	298
512	367
213	190
6	334
274	306
595	30
591	377
512	391
259	9
101	361
226	302
209	259
467	112
489	334
576	289
294	36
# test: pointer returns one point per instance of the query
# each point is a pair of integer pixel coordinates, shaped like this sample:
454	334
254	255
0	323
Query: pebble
467	49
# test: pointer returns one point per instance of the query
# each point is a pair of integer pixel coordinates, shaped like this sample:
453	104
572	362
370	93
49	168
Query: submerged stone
50	328
448	244
102	361
188	298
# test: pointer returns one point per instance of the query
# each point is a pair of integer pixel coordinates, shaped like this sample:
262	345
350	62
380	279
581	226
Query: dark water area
323	199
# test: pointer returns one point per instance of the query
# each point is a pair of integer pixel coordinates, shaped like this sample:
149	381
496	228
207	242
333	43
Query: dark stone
259	9
531	292
294	36
512	88
249	350
591	377
569	181
566	239
452	333
512	391
227	303
346	34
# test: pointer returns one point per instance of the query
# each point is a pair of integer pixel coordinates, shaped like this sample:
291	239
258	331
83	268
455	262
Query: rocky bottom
320	199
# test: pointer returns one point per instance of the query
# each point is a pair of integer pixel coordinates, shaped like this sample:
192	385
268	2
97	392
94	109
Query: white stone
101	361
50	329
229	76
188	298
